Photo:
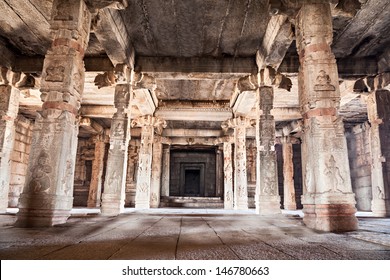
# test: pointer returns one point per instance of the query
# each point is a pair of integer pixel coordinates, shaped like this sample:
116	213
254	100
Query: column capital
149	120
239	122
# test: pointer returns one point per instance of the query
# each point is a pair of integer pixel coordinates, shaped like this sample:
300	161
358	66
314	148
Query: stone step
191	202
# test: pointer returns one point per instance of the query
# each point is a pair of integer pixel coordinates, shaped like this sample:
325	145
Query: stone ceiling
196	50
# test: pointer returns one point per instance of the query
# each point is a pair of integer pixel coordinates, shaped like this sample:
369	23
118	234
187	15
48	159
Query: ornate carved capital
122	97
248	83
157	123
146	81
239	122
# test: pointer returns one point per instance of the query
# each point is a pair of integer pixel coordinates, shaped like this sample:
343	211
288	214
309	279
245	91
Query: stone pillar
48	193
165	170
240	194
156	173
288	175
95	188
228	175
9	107
218	172
113	198
267	193
328	200
143	189
378	103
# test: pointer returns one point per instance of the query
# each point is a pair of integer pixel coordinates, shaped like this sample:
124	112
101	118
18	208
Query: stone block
18	168
17	179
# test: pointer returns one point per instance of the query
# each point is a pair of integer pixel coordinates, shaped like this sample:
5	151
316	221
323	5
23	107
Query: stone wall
19	158
83	171
205	161
360	164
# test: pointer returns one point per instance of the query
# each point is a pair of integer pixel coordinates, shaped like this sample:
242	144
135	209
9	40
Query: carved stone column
228	175
143	189
165	170
218	172
95	188
240	195
379	116
267	193
113	198
48	193
156	173
328	200
288	175
9	107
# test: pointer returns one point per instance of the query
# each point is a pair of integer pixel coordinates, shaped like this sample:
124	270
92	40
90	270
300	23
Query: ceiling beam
277	39
243	66
111	32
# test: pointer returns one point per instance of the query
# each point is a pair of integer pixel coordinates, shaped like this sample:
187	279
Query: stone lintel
243	66
276	41
110	28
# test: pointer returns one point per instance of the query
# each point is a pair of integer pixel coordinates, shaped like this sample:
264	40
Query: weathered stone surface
113	198
379	116
288	175
228	175
326	172
267	195
9	105
148	124
155	185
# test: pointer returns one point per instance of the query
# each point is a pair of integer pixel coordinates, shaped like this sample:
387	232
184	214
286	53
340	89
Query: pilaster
9	106
113	198
228	175
165	170
143	189
328	200
379	117
155	189
47	197
267	195
288	174
240	194
95	188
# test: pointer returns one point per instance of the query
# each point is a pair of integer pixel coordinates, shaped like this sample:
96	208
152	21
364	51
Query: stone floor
191	234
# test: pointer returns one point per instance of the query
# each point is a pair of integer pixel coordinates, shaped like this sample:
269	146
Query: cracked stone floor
191	234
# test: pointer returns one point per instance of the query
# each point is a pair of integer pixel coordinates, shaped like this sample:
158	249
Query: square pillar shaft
228	175
288	175
328	200
113	198
9	106
95	188
47	197
165	171
378	103
267	193
156	173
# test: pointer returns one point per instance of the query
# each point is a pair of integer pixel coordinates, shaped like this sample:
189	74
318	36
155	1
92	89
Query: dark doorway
192	182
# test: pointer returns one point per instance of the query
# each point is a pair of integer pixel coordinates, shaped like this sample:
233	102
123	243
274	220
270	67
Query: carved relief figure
66	177
55	73
334	172
380	193
114	182
323	82
40	181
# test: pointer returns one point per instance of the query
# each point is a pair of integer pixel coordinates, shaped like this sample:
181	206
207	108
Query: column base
268	205
112	205
380	207
142	205
41	218
93	204
241	205
43	210
331	217
290	207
